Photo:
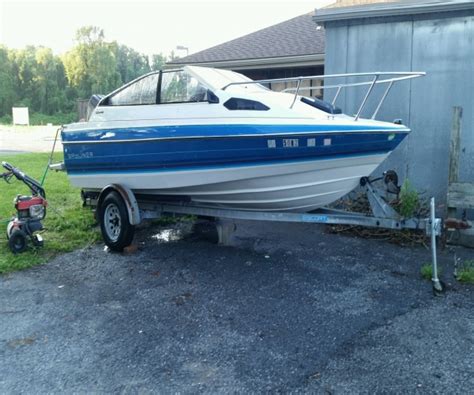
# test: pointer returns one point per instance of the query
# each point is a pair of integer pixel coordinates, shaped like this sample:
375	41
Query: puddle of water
167	235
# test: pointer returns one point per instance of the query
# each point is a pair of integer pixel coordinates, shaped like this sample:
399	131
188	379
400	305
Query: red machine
31	210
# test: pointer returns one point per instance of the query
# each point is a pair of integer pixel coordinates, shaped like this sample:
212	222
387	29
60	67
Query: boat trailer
118	210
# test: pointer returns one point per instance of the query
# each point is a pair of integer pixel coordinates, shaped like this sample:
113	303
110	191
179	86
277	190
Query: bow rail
377	78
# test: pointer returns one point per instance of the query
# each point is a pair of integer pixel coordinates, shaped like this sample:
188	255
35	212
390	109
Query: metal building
432	36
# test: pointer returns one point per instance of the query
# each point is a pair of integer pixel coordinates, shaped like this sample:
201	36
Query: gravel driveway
313	312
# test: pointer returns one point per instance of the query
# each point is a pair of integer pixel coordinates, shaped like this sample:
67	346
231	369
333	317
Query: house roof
297	37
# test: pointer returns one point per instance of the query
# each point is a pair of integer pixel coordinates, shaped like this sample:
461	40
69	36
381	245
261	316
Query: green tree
7	82
40	80
25	71
50	82
130	63
91	66
157	61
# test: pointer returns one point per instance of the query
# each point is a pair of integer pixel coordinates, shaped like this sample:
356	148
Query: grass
68	225
465	273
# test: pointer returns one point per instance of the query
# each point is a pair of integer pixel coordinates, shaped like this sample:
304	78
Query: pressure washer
30	211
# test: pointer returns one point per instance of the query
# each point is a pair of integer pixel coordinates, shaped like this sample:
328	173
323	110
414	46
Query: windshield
171	87
179	87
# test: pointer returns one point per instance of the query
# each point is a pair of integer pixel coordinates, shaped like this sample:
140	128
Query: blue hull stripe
172	155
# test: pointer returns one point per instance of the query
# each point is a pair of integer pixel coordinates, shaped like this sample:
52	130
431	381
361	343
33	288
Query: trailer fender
127	196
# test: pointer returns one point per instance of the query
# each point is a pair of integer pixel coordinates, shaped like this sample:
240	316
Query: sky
147	26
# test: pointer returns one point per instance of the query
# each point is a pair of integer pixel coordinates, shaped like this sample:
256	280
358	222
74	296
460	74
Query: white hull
297	186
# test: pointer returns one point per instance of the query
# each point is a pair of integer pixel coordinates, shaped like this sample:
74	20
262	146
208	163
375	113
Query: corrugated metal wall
443	46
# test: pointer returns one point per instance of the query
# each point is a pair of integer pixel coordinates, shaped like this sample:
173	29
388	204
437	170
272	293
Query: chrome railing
377	78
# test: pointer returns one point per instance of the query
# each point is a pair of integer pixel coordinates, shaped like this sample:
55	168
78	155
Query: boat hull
290	186
249	167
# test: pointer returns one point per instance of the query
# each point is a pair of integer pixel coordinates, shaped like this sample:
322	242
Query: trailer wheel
17	241
114	222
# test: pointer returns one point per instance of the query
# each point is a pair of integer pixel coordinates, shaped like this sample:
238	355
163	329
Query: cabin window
141	92
179	87
321	105
245	104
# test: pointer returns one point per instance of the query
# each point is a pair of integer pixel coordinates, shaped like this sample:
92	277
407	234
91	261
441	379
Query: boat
216	138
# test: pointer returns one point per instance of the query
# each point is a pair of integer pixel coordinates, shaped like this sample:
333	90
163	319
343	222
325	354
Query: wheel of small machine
10	228
17	241
114	222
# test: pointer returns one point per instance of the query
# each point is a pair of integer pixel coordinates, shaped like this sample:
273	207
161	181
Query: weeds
427	271
409	200
465	273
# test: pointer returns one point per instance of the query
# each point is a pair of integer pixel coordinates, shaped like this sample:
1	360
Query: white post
437	286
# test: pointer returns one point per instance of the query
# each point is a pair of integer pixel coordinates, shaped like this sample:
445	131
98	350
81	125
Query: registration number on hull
295	143
291	143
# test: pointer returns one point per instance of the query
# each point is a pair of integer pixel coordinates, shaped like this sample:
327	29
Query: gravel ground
314	312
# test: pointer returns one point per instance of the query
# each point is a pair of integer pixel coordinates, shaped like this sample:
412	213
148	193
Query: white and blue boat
215	138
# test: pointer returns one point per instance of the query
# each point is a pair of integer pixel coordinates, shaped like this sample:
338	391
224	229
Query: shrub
6	119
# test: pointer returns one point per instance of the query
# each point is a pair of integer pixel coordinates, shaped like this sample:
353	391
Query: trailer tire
115	226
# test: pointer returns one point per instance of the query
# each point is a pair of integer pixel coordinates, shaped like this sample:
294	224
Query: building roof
406	7
297	37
